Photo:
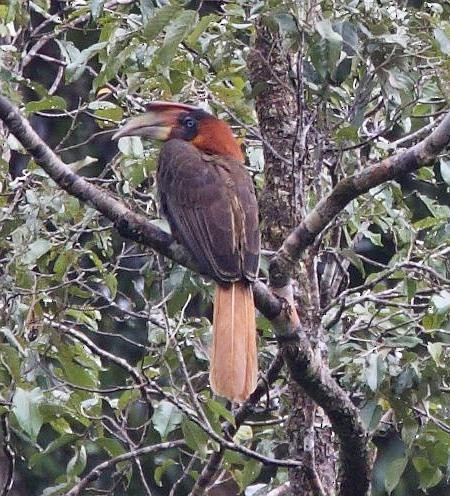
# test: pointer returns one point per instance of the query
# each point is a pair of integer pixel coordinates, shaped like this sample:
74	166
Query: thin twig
96	472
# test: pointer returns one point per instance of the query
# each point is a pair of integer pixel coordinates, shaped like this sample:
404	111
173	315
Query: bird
208	198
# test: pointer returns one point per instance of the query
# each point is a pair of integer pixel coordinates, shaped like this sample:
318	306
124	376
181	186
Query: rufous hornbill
208	198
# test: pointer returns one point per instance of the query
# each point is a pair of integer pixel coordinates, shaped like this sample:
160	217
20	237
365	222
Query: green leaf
55	490
47	103
445	169
393	473
159	21
396	39
354	259
349	33
96	8
411	288
87	317
36	250
113	113
435	350
177	30
147	10
342	71
326	31
375	370
244	433
63	262
375	238
371	415
112	446
286	24
201	26
75	374
288	28
443	39
26	409
126	398
441	302
399	80
430	478
59	442
131	146
426	222
329	47
111	283
77	60
429	475
161	470
77	463
431	321
409	431
403	341
196	438
346	133
166	418
13	341
245	477
233	458
220	411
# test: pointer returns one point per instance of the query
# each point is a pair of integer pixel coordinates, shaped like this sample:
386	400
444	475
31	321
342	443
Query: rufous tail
234	363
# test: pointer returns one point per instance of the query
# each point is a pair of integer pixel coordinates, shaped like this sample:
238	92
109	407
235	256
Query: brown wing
211	207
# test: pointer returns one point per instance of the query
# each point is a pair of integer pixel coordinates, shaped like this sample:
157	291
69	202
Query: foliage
376	74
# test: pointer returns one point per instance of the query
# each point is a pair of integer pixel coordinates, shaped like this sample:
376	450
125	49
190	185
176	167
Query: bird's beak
157	123
153	125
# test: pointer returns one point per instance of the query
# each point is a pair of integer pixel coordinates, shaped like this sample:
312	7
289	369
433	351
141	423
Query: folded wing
211	207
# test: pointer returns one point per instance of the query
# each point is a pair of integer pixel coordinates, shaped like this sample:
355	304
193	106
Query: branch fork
276	303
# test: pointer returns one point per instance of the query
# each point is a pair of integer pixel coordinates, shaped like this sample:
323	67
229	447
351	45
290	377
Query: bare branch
283	490
96	472
213	466
131	225
310	372
143	384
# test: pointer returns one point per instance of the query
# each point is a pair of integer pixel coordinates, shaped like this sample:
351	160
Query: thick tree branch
304	367
130	224
307	370
421	154
315	378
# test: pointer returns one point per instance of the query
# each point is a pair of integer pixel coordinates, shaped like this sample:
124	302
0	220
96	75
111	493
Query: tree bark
281	203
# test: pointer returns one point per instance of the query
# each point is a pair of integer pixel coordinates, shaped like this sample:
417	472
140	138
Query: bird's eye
189	122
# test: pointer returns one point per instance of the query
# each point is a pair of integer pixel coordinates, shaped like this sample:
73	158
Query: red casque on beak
156	123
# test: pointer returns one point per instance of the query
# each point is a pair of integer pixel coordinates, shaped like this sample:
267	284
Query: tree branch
10	455
214	463
145	384
310	372
130	225
305	369
421	154
96	472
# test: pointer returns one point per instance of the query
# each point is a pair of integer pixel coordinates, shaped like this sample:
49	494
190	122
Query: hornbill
208	198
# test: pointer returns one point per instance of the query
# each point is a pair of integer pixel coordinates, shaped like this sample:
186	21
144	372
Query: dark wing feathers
204	197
